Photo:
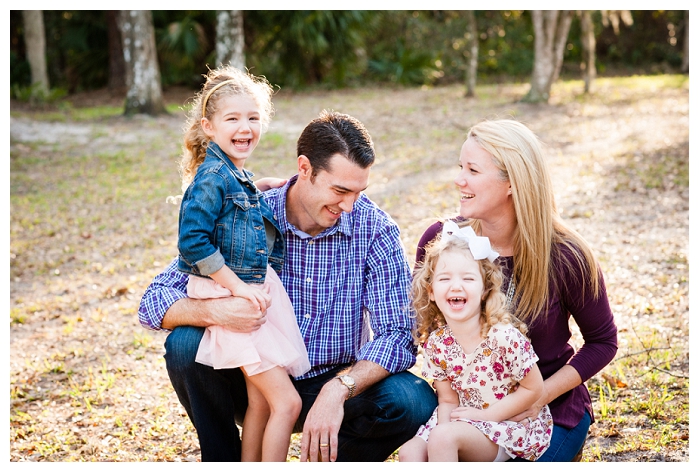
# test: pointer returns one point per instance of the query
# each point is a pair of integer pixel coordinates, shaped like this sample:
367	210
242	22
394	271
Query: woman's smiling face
483	191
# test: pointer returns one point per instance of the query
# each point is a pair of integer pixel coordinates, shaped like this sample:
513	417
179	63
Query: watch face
348	380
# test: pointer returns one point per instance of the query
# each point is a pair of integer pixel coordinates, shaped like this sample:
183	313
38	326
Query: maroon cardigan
550	333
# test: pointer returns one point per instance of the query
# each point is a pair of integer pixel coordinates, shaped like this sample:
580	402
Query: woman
551	272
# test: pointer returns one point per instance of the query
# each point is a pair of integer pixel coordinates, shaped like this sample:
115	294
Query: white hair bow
479	245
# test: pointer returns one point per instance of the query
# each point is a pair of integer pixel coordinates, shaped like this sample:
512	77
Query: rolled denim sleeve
386	298
199	213
165	289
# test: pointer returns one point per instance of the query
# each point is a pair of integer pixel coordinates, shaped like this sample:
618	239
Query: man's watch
348	382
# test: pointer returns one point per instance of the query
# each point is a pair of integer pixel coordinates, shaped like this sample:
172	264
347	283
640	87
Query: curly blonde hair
238	83
494	308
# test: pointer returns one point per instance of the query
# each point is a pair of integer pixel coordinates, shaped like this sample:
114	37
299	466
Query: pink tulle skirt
278	342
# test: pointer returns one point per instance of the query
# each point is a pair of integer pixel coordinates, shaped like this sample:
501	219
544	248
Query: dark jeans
375	424
565	443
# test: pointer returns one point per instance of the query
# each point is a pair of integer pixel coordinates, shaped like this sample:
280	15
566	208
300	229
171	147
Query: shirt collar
243	175
344	225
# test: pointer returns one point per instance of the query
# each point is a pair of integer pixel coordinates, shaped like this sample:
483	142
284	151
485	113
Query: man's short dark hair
335	133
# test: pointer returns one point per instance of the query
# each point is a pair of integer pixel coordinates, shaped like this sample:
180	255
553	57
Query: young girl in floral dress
483	366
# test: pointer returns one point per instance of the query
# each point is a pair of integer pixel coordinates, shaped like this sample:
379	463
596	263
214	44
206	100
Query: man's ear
305	168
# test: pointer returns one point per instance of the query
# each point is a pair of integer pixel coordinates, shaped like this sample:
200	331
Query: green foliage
405	66
307	47
185	41
36	95
337	48
77	56
654	40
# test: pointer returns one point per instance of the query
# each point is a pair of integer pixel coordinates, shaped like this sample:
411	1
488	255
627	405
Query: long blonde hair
493	305
238	83
540	232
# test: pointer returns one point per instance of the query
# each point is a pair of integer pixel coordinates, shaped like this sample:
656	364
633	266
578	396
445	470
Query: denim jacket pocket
239	241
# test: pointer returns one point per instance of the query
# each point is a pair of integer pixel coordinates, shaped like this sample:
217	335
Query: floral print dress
481	378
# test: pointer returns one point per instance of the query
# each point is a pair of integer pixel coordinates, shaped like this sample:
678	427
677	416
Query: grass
90	227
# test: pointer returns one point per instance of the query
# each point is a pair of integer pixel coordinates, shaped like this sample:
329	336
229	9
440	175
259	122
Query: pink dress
483	377
278	342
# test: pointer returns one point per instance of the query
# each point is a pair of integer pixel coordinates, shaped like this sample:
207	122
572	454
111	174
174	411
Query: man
347	277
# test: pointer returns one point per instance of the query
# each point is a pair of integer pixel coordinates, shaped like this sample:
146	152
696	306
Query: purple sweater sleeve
594	317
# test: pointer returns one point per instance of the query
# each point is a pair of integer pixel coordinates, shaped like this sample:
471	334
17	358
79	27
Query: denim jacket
222	222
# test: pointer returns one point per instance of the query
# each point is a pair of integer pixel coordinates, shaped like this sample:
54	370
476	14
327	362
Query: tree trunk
117	68
230	38
565	19
550	36
35	40
685	47
144	94
589	44
472	64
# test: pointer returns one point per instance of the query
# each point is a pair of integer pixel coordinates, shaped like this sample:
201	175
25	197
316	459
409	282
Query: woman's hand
565	379
529	414
268	183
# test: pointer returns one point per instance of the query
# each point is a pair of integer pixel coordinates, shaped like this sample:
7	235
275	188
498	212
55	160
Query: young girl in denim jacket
230	244
484	367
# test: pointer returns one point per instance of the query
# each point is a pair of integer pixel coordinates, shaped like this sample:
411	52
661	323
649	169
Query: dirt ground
88	383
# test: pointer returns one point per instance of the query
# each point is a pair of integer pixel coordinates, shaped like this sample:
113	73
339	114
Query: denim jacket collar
243	175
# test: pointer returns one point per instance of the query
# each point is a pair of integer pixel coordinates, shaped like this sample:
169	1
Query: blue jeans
376	422
565	443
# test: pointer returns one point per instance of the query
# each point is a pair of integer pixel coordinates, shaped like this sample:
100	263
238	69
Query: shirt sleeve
433	367
595	319
166	288
386	299
516	351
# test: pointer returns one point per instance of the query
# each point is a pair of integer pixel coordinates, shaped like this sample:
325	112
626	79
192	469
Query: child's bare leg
284	407
256	417
460	441
414	450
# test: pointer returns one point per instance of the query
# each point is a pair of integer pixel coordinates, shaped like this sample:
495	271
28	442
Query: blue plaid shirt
349	286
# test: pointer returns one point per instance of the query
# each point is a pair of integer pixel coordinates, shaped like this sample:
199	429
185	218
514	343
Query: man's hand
234	313
268	183
319	441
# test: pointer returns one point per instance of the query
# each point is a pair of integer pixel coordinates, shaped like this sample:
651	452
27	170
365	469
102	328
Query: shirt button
310	242
307	315
275	217
309	279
